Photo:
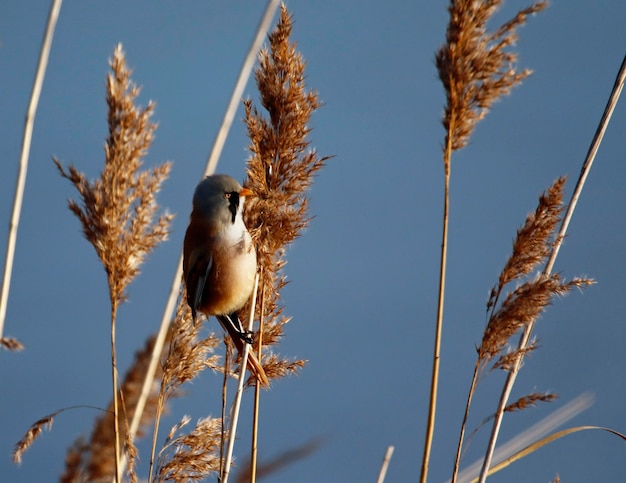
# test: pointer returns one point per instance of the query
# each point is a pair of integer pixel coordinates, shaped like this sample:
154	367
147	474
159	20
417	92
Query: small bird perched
219	260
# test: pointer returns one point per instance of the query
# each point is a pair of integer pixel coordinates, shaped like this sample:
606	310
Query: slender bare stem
115	402
257	393
470	395
385	465
242	380
593	149
226	372
55	8
430	428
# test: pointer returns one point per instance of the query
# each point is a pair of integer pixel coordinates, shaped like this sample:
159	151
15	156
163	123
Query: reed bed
121	219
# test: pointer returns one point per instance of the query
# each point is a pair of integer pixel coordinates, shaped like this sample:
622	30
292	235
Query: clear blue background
364	274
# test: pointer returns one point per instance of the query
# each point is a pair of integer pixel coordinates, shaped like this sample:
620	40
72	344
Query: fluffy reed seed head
534	241
530	400
475	66
118	209
187	354
31	435
195	456
280	171
524	304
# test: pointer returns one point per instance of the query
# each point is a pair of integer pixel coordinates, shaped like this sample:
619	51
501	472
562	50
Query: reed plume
187	356
194	456
280	171
476	68
522	305
118	209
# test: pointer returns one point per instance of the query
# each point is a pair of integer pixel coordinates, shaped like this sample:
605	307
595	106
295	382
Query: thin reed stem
44	54
470	395
385	465
434	383
211	165
523	343
242	380
115	390
257	393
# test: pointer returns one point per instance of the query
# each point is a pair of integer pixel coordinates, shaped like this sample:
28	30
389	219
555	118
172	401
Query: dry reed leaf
475	66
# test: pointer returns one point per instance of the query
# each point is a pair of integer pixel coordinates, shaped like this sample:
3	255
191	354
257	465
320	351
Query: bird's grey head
217	197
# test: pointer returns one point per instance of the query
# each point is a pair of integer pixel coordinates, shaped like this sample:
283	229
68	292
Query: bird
219	259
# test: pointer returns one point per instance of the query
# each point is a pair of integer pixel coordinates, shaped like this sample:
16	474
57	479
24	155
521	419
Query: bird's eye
227	195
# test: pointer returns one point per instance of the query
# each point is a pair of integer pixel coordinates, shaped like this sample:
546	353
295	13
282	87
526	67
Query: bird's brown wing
196	282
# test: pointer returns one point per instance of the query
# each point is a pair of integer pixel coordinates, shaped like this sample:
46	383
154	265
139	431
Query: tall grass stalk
117	210
476	69
525	337
44	54
234	419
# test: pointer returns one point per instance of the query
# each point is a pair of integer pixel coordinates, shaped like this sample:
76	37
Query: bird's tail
233	326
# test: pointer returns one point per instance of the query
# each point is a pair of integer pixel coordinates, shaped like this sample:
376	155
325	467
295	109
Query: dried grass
118	209
31	435
523	304
194	456
476	68
530	400
280	171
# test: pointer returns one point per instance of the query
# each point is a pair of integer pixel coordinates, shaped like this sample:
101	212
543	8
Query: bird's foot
246	336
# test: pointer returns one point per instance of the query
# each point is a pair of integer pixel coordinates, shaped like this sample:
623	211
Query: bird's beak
246	192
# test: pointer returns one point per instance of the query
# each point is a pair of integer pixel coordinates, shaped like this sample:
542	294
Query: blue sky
364	274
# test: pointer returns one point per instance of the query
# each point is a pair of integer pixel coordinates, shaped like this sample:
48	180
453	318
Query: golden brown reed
118	209
533	242
187	353
280	170
508	359
530	400
194	456
476	68
523	304
474	65
31	435
532	246
186	357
